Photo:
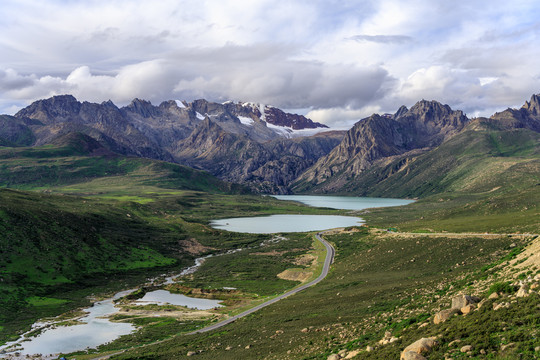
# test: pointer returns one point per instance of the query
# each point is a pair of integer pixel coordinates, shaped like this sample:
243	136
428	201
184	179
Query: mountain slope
265	167
425	126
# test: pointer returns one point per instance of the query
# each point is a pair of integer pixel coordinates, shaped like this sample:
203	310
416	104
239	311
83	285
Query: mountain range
271	151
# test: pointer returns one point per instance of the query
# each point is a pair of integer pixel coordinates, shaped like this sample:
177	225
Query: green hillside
76	163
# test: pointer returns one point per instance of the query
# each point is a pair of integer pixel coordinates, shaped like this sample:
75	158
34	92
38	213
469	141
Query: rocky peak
433	111
533	106
142	107
109	103
55	108
401	111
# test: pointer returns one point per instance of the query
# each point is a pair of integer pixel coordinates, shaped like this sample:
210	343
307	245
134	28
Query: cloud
322	55
383	39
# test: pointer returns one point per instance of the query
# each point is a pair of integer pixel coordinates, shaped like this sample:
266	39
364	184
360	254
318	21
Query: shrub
502	287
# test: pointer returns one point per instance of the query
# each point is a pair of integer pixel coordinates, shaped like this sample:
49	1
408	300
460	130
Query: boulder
444	315
463	300
467	309
333	357
466	348
494	295
369	348
422	346
411	355
352	354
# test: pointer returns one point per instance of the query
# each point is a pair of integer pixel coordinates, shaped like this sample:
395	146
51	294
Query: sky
335	61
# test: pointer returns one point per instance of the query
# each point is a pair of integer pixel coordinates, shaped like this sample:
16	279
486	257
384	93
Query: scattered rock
534	286
248	347
452	343
369	348
466	348
411	355
304	330
228	348
504	347
333	357
501	306
494	295
444	315
523	291
191	353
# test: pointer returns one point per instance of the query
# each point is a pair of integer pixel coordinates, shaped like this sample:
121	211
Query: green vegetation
69	169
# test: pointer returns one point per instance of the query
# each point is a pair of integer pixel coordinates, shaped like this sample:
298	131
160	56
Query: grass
373	276
44	301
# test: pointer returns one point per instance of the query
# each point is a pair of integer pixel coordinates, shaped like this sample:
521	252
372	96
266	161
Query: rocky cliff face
426	125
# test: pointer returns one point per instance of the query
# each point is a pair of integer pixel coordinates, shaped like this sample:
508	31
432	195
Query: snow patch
280	130
180	104
291	133
246	120
199	115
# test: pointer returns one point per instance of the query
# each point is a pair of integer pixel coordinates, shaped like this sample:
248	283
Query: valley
96	199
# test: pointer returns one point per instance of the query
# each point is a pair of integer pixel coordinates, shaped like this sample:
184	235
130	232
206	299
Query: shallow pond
285	223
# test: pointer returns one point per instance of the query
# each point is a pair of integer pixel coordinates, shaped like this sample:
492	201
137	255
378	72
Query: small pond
285	223
162	297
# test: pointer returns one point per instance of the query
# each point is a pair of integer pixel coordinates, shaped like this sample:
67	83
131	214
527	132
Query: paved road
330	252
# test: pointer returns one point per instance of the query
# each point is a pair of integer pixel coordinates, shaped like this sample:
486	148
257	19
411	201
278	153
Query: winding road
329	259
